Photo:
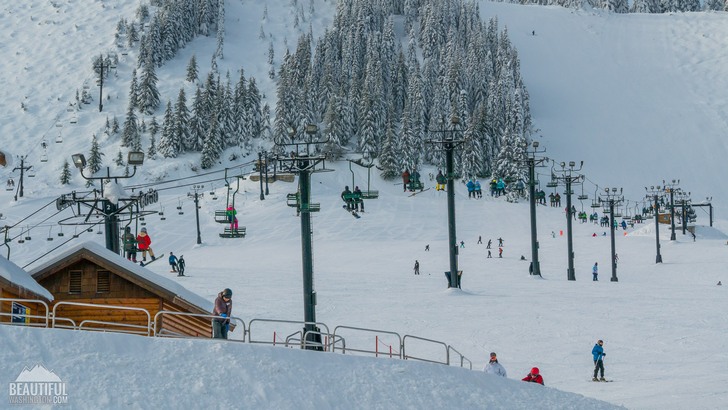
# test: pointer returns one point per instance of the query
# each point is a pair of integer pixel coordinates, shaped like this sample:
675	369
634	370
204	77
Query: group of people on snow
535	376
474	189
141	242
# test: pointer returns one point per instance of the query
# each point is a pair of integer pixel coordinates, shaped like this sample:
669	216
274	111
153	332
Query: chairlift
161	213
44	157
59	138
74	120
98	232
60	234
27	237
50	233
179	208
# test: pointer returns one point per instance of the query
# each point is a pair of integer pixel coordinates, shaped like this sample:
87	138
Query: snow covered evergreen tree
65	178
181	122
148	92
94	159
220	29
211	149
192	70
168	144
130	134
119	161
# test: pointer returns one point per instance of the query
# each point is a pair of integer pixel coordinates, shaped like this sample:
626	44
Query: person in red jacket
143	242
534	376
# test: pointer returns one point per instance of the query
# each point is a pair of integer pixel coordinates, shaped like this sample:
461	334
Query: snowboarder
143	241
417	267
489	255
173	261
480	240
181	265
471	189
346	197
598	355
231	214
427	247
358	202
462	244
500	241
490	242
441	180
130	244
493	367
595	272
534	376
223	308
500	252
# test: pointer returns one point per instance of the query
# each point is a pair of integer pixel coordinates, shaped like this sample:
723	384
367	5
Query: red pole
274	338
376	349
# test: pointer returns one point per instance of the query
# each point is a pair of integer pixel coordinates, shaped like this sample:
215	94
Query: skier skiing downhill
598	354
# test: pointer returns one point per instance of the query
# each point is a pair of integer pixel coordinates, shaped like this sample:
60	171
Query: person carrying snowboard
598	355
143	240
173	262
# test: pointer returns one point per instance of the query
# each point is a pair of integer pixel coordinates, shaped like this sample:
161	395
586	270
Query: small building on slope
29	298
96	289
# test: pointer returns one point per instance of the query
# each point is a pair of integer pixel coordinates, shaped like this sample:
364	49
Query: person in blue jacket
471	189
598	355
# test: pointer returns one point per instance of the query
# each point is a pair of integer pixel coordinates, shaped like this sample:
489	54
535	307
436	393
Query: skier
130	244
415	179
405	179
223	308
598	354
480	240
493	367
500	252
595	272
417	267
427	247
501	187
173	262
490	242
500	241
143	240
181	265
462	244
489	255
534	376
478	190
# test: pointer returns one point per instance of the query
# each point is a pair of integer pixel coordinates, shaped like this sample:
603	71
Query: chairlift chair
50	233
60	234
179	208
27	235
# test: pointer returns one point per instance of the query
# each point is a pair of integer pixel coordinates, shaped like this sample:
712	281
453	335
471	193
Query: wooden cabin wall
6	307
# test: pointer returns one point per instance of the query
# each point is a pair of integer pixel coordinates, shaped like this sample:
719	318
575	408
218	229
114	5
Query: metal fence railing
300	334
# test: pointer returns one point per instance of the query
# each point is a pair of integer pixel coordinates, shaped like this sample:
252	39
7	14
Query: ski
602	381
419	192
142	263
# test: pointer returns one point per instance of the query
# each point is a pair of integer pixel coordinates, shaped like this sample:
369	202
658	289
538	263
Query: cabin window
103	284
74	285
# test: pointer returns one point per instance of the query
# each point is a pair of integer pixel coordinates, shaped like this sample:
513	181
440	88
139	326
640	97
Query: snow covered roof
134	271
17	276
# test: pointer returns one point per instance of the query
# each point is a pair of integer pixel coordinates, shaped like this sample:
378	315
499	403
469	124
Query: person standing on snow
534	376
493	367
598	355
405	179
595	272
223	309
130	244
417	267
173	262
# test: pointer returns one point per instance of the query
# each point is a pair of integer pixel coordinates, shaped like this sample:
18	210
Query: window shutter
74	285
103	284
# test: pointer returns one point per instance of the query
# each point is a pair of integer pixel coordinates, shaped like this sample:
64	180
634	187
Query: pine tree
181	121
388	154
152	151
167	142
94	160
192	71
115	126
148	92
65	173
130	134
220	29
211	149
134	90
119	161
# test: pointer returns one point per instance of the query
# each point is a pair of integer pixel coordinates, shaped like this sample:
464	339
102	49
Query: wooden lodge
17	284
96	289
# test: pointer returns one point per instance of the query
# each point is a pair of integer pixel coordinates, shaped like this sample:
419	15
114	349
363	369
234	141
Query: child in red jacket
534	376
143	242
